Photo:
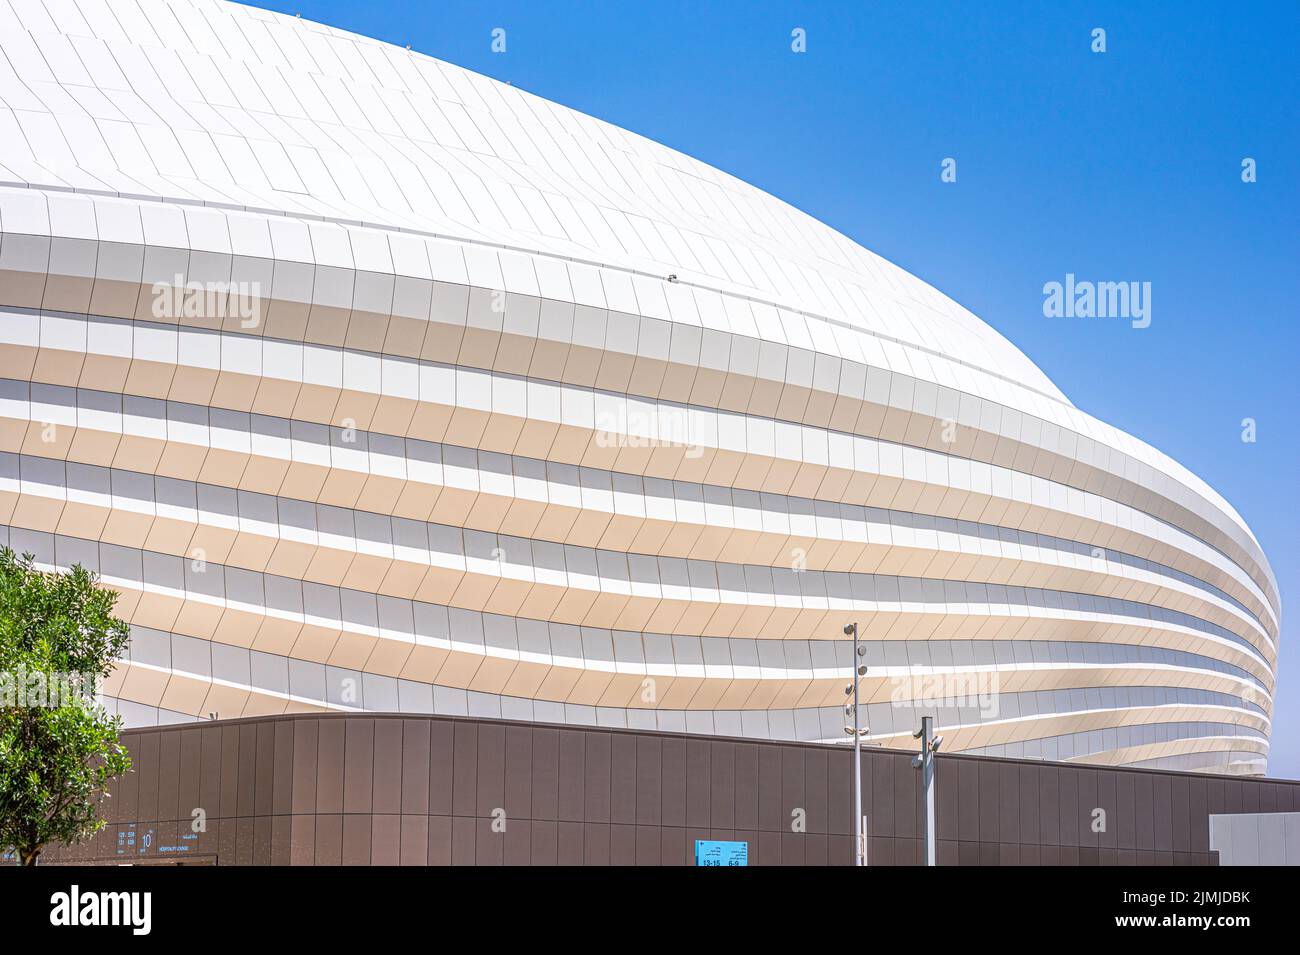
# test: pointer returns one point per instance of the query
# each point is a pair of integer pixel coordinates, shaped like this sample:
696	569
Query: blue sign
708	852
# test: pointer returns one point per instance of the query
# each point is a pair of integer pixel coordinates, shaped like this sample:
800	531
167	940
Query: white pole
859	847
927	783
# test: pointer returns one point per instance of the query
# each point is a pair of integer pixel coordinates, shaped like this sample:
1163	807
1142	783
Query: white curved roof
204	103
317	122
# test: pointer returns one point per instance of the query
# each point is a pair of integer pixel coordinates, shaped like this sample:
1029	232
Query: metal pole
859	854
927	783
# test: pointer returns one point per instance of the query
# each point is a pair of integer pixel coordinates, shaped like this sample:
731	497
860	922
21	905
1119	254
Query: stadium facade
375	385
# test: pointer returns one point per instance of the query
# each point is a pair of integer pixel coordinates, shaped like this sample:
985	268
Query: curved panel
374	384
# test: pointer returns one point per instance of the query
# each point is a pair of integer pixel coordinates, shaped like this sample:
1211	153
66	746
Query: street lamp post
859	670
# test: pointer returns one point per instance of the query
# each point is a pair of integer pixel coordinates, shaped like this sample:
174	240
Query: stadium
374	385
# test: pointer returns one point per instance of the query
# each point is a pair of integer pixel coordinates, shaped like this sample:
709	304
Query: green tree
58	748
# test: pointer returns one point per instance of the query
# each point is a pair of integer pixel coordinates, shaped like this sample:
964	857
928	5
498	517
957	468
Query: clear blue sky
1117	166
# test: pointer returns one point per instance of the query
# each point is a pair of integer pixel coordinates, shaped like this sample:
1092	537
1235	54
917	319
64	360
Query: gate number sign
721	853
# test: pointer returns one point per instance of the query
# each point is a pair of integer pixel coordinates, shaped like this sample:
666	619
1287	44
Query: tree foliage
58	747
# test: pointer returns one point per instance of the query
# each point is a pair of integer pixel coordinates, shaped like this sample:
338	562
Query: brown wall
414	790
